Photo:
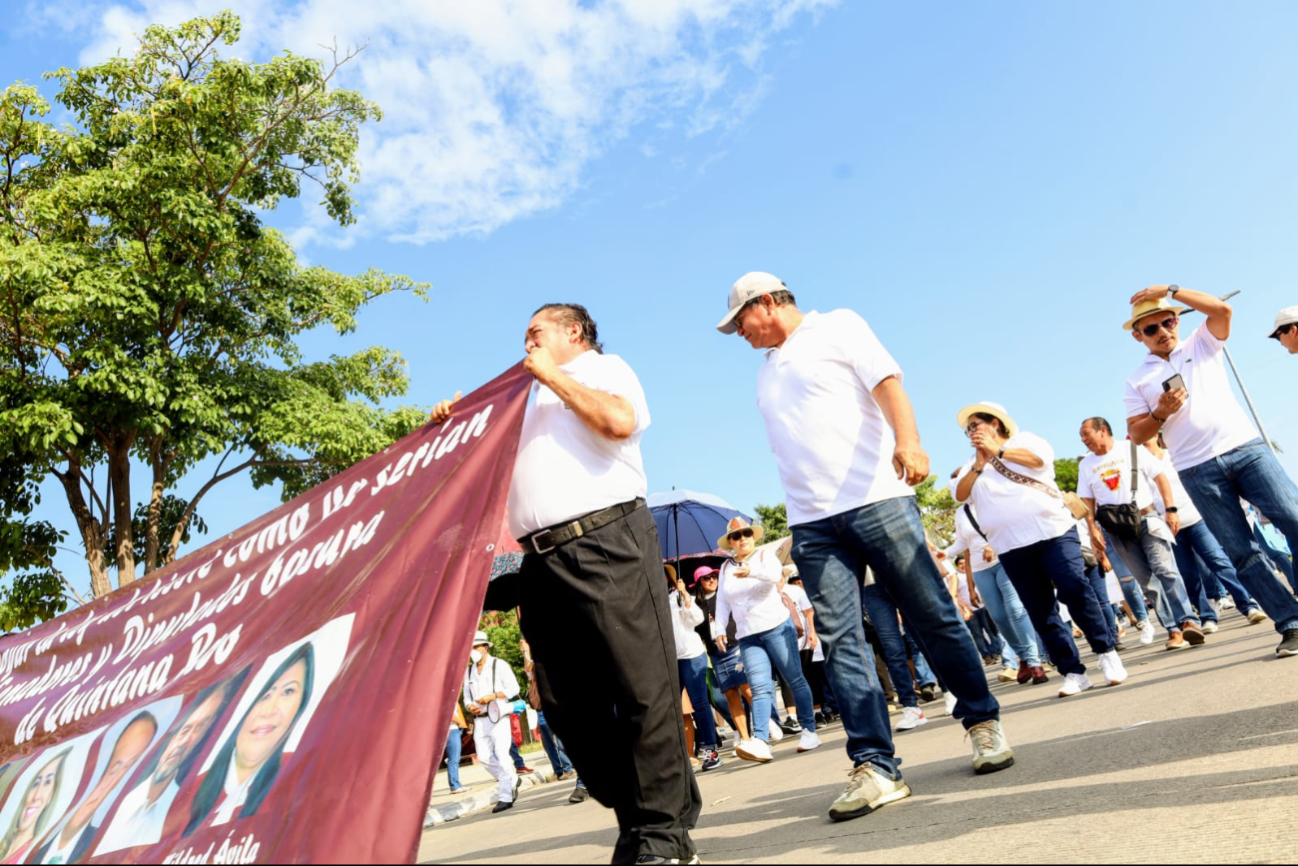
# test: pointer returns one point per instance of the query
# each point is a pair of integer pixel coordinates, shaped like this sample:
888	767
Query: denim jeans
553	746
1153	563
1253	473
1198	555
779	647
1007	610
883	616
1058	561
694	677
888	538
986	640
453	753
1095	576
923	673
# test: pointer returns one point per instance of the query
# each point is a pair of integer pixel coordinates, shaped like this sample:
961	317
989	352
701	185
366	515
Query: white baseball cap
1287	316
751	285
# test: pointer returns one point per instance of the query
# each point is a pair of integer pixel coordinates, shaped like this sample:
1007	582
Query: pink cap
703	571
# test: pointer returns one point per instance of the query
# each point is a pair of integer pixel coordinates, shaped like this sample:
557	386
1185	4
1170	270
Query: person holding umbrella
727	664
692	662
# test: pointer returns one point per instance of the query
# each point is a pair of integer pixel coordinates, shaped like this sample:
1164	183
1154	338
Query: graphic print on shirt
1112	478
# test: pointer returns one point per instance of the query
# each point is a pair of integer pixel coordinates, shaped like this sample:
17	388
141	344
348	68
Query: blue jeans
923	673
1032	570
779	647
883	616
1008	613
1153	562
694	677
983	631
888	538
1095	576
453	745
1198	555
553	746
1130	590
1253	473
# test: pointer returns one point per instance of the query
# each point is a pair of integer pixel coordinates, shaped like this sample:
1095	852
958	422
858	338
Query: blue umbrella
690	523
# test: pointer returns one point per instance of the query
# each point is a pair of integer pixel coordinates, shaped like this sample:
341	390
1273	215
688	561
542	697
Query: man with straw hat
489	686
1182	389
844	436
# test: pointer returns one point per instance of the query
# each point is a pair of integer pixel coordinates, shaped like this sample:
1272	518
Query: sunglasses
740	533
1283	330
1168	324
711	577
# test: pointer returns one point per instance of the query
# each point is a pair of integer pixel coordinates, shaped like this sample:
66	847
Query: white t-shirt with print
1211	423
564	469
831	442
1016	515
1107	478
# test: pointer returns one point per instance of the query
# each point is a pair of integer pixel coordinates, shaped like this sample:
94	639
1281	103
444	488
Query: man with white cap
844	436
489	687
1285	330
1182	389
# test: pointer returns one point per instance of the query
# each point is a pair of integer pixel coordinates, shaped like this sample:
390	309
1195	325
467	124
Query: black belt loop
547	540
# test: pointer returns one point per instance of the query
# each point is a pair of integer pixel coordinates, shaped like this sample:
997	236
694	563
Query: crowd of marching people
864	616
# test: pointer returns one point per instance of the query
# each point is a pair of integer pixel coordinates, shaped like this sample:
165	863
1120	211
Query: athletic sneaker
790	726
1192	633
1146	632
1075	684
1225	604
911	718
1113	668
808	741
928	692
991	750
1176	641
1288	644
579	795
867	790
951	701
1256	616
774	730
711	760
1209	627
754	750
1007	675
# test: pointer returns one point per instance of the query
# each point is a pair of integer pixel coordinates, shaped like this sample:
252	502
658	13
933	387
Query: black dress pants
595	613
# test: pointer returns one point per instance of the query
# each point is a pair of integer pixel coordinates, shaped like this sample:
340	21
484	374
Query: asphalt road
1193	759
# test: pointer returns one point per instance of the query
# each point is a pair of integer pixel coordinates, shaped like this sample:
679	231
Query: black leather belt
548	539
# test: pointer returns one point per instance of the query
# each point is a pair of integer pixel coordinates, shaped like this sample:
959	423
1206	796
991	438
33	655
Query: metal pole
1257	419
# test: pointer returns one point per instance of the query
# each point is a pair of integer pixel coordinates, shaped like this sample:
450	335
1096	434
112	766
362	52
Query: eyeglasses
740	533
1168	324
1283	330
972	426
711	577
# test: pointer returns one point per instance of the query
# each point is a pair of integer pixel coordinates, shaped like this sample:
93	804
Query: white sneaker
1256	616
808	741
951	701
991	749
1146	632
1226	603
911	718
1208	627
754	750
867	790
774	730
1075	684
1113	669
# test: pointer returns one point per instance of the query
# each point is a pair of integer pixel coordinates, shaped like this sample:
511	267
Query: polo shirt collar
807	319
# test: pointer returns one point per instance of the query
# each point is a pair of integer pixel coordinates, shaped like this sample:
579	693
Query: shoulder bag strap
1025	480
973	521
1135	473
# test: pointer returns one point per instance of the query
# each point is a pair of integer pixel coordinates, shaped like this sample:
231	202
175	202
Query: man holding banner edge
590	577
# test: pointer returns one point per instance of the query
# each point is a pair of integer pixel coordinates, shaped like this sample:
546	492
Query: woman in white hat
749	590
1011	482
489	686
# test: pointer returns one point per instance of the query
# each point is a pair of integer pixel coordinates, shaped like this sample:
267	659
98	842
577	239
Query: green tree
146	312
506	642
937	509
774	520
1066	473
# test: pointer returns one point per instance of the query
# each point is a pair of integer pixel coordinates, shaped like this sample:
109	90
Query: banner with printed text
280	696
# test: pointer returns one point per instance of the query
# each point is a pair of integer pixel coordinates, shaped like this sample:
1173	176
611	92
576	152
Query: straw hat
480	638
671	572
1148	308
736	524
996	410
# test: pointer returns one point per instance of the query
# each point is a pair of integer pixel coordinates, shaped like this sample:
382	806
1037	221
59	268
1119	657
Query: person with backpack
1010	480
1116	484
489	687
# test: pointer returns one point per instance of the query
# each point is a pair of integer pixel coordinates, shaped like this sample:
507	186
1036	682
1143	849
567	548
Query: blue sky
986	183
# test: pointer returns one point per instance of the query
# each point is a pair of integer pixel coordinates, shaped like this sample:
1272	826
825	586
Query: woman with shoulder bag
1011	482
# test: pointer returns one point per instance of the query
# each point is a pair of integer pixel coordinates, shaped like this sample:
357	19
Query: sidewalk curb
477	802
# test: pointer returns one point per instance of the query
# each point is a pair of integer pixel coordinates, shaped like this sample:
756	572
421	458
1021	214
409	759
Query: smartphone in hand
1174	383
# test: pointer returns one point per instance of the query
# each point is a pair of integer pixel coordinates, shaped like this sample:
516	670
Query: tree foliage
506	638
148	314
937	509
774	520
1066	473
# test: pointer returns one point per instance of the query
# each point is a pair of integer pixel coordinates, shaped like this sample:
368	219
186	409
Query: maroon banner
279	696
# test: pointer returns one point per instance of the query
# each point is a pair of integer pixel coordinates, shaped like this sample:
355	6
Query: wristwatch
1172	290
1000	455
1172	510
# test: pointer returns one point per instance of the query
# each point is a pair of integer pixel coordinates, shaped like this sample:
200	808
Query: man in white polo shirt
848	450
589	591
1107	481
1182	389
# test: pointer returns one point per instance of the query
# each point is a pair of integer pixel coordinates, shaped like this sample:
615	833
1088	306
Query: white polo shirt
564	469
833	446
970	542
754	601
1107	479
1180	498
1016	515
1211	423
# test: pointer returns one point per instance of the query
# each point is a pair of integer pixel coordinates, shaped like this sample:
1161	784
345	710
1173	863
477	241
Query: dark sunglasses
740	533
1168	324
1283	331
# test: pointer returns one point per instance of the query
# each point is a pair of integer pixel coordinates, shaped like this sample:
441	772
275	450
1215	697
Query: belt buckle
547	545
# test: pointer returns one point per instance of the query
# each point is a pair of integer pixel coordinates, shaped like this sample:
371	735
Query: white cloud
493	108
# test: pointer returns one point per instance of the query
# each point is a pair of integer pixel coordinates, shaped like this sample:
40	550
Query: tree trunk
152	542
94	534
119	476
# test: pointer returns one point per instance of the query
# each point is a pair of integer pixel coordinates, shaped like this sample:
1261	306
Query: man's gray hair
568	314
1099	424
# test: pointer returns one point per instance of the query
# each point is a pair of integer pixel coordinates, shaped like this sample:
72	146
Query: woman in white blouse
749	591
